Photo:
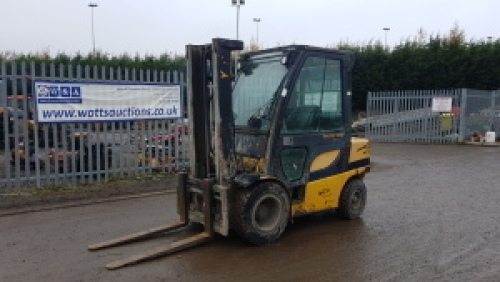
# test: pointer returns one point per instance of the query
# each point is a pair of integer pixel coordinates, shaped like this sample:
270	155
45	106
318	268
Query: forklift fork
183	210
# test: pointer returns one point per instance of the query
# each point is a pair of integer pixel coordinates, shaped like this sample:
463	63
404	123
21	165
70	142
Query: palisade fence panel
483	111
69	154
407	116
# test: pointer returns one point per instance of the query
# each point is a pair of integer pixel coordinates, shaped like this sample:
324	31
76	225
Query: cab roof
291	48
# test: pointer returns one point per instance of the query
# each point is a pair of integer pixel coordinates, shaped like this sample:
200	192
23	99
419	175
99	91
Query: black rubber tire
352	200
260	215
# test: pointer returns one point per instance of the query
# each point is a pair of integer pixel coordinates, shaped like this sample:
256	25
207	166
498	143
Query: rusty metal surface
136	236
198	108
431	215
182	203
206	186
225	163
161	251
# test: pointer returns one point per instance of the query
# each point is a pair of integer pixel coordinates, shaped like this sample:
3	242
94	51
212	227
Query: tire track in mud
471	257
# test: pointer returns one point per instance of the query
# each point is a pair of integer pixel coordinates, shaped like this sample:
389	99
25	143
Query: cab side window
316	100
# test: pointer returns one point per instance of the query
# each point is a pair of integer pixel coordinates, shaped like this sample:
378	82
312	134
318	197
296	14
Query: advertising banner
106	101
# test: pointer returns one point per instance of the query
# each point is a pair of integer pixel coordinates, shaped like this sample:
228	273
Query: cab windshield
254	92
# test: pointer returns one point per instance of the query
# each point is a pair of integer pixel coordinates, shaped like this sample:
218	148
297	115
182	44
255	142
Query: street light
257	21
386	29
92	6
238	3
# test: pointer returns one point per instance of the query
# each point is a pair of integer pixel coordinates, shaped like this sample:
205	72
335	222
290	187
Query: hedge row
440	63
425	62
164	62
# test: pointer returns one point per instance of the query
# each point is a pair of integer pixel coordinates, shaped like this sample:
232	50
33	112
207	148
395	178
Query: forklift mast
209	88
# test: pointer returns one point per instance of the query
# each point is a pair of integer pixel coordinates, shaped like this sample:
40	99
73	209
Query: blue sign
54	91
76	92
65	91
50	94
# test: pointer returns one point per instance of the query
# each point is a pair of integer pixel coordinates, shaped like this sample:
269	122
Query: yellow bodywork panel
324	194
360	149
324	160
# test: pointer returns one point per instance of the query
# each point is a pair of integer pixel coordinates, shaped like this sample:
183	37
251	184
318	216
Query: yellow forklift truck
273	144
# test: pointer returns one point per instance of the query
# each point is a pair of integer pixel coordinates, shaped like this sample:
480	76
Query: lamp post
92	6
386	29
238	3
257	21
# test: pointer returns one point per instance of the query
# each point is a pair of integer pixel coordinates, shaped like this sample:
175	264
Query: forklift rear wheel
352	200
261	214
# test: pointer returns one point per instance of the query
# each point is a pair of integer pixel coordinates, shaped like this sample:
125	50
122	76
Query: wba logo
58	94
44	91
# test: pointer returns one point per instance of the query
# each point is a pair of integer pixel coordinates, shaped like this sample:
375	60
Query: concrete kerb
490	144
81	203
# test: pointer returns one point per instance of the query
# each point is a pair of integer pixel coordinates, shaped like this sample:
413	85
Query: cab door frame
313	143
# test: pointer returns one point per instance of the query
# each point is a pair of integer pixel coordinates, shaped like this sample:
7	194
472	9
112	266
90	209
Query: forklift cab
292	116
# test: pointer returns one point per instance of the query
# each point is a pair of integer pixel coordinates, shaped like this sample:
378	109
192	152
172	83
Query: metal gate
407	116
482	111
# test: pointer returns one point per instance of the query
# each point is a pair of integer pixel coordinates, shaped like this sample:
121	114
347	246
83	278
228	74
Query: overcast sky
159	26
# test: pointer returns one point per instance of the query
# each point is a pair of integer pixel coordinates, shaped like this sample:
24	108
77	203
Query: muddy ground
33	199
432	215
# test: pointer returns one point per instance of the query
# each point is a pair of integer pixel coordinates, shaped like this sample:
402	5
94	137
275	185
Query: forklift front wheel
352	200
262	213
